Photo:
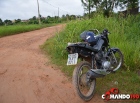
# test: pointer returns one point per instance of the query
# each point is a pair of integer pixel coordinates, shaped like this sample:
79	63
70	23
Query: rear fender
74	47
80	49
71	49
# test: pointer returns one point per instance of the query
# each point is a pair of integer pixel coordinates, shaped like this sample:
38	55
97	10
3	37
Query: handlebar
105	31
95	30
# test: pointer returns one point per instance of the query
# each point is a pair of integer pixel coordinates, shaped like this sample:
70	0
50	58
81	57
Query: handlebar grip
105	31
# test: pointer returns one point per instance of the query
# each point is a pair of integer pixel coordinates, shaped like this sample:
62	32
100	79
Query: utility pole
38	13
58	11
58	14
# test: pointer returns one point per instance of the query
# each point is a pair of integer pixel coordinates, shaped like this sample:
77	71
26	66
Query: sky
25	9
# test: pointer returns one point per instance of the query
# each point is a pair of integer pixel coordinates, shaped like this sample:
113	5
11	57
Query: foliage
17	21
127	82
129	4
34	20
8	22
125	34
89	4
1	22
107	6
15	29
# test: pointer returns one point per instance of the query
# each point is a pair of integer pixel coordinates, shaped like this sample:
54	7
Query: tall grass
125	34
15	29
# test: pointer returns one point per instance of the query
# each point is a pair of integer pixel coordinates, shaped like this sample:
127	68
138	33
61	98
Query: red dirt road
26	75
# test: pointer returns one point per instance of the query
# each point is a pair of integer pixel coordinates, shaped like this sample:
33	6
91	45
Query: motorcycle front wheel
84	90
116	60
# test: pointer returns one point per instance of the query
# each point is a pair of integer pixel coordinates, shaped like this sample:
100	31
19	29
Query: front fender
112	50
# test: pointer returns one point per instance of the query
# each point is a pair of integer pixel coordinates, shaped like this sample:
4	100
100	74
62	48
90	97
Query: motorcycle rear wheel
84	90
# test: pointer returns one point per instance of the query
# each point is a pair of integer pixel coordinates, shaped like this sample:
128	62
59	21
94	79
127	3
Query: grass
125	34
15	29
127	82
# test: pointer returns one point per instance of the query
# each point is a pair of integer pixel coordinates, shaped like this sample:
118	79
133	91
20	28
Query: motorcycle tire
120	60
80	83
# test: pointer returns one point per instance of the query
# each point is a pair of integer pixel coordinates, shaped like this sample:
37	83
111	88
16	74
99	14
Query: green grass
127	82
15	29
125	34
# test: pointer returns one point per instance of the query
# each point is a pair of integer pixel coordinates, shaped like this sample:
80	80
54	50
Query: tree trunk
89	11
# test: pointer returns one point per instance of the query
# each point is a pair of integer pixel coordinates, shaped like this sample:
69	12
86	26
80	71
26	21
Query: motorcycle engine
103	61
106	64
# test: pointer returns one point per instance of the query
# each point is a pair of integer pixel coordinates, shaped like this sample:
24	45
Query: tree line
107	6
44	20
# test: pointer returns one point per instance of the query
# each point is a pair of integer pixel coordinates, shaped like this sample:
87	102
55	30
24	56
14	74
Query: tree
108	6
48	17
34	18
129	4
1	22
17	21
64	18
8	22
73	17
68	17
89	4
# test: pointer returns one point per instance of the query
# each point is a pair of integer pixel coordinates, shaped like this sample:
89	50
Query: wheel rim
116	65
86	89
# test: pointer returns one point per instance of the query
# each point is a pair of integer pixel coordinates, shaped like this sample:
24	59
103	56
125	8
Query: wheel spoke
84	87
116	60
85	90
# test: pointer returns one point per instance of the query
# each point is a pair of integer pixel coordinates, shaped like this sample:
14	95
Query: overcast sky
25	9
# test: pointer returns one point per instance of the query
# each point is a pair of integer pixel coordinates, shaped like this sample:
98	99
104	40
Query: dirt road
26	75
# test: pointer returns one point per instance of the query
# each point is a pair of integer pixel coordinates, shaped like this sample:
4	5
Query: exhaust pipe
91	74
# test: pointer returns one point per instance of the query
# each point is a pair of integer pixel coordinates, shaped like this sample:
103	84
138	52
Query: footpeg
111	71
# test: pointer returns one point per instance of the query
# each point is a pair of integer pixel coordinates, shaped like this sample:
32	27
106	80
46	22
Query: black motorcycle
96	58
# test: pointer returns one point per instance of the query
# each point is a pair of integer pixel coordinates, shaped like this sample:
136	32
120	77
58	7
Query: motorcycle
97	59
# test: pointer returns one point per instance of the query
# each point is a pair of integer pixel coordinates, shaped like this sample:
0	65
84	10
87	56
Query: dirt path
26	76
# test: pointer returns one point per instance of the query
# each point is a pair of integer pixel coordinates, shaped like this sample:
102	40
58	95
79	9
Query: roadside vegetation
15	29
125	34
20	28
8	27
